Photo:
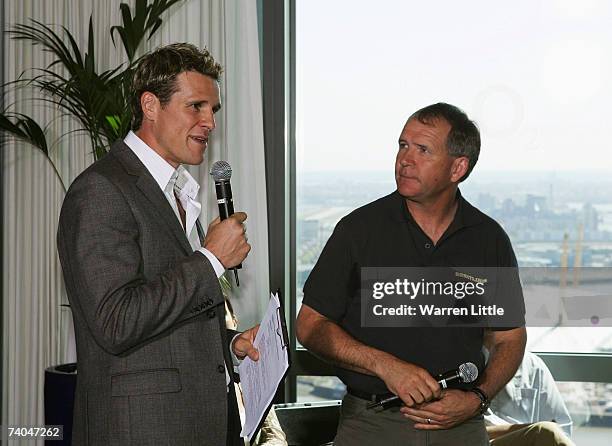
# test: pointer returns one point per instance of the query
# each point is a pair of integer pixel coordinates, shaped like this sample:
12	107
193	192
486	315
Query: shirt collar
466	214
186	184
160	169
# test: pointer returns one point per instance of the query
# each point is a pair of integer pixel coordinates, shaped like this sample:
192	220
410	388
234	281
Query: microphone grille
468	372
221	171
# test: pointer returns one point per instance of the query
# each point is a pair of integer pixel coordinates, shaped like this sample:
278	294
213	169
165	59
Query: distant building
308	230
535	204
590	218
485	202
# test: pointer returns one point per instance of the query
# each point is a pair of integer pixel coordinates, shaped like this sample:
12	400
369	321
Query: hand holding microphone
414	383
465	373
226	236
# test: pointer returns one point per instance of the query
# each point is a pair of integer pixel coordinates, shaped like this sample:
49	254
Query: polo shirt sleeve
509	288
332	282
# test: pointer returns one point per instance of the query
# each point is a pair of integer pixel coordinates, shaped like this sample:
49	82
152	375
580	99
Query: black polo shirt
384	234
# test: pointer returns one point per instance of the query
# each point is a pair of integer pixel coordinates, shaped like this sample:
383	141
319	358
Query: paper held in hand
259	380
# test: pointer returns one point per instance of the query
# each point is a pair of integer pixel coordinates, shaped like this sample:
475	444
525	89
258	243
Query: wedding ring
428	420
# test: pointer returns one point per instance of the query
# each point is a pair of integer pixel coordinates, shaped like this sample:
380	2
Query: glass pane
543	173
590	405
570	339
319	388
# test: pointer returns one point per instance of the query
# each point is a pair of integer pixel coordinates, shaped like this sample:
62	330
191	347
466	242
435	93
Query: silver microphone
465	373
221	172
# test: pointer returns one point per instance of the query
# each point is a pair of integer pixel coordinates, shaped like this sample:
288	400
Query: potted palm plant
98	102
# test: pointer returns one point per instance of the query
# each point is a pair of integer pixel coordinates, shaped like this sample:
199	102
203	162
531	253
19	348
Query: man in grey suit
141	277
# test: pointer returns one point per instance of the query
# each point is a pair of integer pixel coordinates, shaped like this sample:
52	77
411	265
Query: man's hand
227	240
413	384
243	345
453	408
331	342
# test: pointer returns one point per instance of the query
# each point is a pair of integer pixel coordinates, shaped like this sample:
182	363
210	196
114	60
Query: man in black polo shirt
425	223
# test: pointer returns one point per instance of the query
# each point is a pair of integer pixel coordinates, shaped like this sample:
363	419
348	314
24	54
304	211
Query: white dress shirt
169	180
187	190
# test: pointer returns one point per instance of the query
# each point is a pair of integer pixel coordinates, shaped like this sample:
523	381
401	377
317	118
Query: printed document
259	380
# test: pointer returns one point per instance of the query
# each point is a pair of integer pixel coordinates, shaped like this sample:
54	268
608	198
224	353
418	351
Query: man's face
181	128
423	168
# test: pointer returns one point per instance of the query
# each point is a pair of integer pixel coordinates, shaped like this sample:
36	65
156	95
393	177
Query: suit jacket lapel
152	192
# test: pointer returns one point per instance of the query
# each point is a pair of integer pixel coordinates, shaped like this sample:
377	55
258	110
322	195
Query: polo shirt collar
466	215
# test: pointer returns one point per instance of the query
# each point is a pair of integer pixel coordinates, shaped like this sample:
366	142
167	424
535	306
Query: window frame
278	86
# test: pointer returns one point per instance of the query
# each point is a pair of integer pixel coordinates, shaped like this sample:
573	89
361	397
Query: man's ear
150	106
459	168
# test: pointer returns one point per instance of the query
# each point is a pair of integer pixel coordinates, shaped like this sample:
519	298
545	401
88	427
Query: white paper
259	380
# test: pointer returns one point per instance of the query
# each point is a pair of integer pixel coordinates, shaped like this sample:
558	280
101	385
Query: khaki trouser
359	426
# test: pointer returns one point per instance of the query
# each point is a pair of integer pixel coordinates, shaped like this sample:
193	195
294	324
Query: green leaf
100	102
25	129
90	56
114	121
146	20
156	25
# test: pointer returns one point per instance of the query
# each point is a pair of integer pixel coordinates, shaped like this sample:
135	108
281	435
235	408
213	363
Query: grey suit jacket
148	313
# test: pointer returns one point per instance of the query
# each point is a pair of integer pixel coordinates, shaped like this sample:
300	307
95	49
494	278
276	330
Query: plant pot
60	385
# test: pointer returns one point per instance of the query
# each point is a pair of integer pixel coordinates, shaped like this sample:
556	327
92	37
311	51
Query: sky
536	76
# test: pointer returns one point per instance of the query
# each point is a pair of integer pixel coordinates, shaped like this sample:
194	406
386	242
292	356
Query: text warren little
432	310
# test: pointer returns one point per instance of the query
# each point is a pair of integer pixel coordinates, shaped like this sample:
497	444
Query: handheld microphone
221	172
465	373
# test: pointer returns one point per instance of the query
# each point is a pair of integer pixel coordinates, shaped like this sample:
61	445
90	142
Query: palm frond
100	102
41	34
23	128
146	19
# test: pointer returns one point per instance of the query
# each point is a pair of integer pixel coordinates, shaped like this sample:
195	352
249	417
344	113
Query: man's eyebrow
215	108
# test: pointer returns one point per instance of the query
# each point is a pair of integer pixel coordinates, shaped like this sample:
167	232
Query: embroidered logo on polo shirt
470	277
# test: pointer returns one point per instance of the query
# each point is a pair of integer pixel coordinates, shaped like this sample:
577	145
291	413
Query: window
590	409
533	75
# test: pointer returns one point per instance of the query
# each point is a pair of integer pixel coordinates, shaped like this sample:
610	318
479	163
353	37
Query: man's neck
434	217
148	137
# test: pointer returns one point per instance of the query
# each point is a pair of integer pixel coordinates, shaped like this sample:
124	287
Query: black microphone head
221	171
468	372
